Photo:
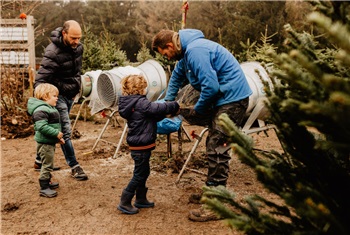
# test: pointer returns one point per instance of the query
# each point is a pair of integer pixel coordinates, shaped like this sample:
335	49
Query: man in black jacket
61	66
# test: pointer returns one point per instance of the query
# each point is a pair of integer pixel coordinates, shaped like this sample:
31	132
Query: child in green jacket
47	133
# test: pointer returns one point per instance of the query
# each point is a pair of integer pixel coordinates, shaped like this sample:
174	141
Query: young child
47	133
142	117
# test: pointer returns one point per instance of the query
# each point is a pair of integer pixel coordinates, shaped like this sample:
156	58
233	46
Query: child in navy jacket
142	117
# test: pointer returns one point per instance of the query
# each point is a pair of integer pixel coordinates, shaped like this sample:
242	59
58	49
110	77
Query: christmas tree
310	106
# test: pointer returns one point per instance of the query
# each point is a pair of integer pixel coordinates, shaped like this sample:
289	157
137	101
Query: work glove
193	118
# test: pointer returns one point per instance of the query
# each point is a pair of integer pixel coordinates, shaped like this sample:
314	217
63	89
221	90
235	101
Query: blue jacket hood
189	35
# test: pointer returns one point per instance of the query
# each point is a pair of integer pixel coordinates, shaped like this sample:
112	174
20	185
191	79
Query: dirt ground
89	207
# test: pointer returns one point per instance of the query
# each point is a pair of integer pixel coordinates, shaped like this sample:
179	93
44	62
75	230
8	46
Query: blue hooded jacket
211	69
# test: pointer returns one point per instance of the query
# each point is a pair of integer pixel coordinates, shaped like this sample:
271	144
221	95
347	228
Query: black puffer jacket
61	66
142	117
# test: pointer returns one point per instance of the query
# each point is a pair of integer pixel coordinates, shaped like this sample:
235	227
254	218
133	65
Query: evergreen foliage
101	53
310	105
143	54
258	51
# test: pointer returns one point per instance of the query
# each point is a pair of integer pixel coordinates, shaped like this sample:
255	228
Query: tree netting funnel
256	75
109	88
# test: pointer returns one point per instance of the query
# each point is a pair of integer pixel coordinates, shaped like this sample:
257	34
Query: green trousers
46	153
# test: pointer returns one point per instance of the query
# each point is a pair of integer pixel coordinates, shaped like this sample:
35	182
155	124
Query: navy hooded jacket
142	117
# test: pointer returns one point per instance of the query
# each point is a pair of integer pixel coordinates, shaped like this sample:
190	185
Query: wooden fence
17	42
17	51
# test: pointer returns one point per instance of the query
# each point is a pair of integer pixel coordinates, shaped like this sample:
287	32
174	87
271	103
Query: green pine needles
310	106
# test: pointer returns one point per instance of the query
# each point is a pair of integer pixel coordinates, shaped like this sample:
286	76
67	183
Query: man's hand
192	117
170	115
178	111
193	112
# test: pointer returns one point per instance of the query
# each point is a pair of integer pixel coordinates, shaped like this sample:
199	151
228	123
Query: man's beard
73	46
178	56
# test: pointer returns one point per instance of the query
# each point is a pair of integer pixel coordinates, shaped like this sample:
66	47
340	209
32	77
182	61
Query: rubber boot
195	198
141	199
125	203
53	185
45	189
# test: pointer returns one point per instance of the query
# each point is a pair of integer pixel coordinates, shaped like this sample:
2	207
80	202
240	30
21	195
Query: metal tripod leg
120	141
258	109
104	129
199	138
168	146
78	114
179	134
186	133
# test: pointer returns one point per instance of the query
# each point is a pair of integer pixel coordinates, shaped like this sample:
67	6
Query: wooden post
184	13
31	44
31	72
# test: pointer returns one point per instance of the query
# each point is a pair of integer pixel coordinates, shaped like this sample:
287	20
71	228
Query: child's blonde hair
43	91
133	85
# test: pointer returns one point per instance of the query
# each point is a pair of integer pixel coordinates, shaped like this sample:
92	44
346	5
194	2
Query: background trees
133	23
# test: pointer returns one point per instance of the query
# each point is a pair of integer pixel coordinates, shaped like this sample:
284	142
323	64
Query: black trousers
217	145
141	170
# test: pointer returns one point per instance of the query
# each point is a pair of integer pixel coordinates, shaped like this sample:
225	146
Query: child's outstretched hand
60	137
178	111
173	115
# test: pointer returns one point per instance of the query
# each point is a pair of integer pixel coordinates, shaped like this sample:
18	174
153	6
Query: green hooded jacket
46	120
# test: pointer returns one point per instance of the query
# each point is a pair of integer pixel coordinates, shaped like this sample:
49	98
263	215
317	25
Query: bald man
61	67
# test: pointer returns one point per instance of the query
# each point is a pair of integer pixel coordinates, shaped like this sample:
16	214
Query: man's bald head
71	33
71	24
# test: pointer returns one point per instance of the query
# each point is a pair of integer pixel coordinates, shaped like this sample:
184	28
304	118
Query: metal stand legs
199	138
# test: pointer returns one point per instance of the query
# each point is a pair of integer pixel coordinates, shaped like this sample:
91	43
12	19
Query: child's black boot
53	185
141	199
125	203
45	189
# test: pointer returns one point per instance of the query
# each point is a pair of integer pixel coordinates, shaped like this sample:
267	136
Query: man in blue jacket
213	71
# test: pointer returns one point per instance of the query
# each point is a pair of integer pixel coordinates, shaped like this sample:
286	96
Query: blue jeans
141	170
64	106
